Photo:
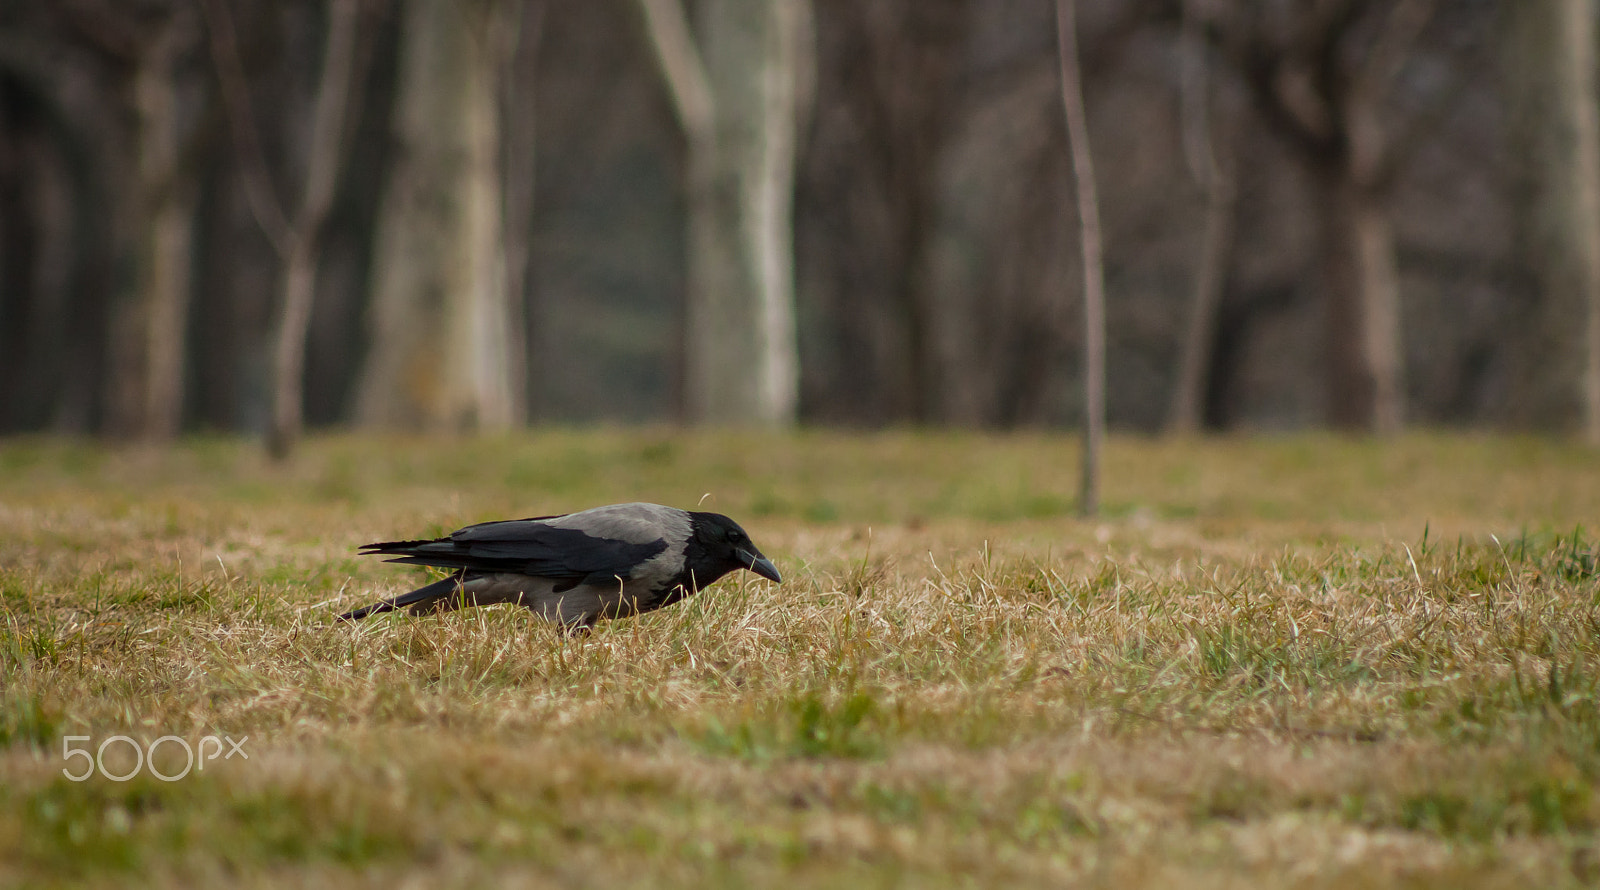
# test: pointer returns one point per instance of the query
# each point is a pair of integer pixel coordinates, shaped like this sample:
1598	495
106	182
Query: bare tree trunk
1551	73
166	239
1216	178
722	355
484	343
77	250
667	27
737	95
1362	277
442	326
1326	98
1094	315
1199	334
519	53
771	212
297	240
926	390
300	266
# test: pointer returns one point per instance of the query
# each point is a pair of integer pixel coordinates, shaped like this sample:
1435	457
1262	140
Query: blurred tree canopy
241	215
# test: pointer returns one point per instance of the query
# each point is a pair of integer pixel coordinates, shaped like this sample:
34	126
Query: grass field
1300	661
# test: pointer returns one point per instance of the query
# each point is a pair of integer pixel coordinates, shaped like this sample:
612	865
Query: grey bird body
607	562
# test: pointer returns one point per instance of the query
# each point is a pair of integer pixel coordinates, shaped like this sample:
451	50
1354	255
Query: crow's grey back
634	523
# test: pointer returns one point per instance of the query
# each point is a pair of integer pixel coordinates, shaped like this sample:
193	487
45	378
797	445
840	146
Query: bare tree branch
1284	97
1413	130
1383	63
253	172
685	73
300	264
328	116
106	26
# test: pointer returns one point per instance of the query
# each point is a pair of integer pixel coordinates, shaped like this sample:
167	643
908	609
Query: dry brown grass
1289	662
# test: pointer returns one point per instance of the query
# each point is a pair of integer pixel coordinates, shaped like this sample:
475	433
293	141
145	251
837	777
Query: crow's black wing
528	547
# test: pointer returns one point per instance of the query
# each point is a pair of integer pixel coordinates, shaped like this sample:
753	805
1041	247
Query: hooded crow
608	562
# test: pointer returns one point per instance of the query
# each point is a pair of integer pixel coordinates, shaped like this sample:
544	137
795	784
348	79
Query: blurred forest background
244	216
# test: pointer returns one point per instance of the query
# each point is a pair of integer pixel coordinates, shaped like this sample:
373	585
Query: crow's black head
717	546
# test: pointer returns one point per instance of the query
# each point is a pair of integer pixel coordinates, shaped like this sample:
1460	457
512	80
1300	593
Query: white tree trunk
738	97
483	383
771	215
1556	135
441	354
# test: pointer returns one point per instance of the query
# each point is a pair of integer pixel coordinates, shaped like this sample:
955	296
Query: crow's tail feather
403	547
421	596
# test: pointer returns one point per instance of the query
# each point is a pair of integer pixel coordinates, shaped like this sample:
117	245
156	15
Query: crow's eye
734	537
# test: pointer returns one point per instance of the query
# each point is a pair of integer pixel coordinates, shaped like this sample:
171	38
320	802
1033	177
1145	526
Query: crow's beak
760	565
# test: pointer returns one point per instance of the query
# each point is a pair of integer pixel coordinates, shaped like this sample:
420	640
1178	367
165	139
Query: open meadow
1301	661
